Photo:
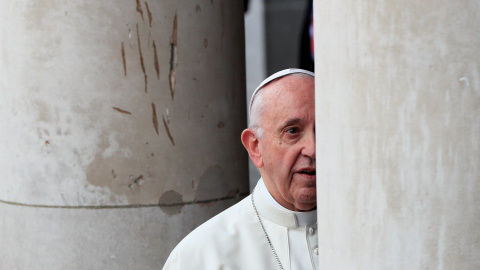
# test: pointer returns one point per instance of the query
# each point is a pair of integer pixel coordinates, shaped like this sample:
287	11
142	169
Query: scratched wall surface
398	134
122	104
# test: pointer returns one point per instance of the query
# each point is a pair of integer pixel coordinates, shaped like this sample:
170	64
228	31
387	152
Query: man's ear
250	142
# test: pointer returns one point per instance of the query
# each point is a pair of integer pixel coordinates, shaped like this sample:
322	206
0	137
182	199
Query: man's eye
292	130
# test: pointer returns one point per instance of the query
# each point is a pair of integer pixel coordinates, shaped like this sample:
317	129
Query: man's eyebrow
292	121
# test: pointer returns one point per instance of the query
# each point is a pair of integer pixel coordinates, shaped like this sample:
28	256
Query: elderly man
274	227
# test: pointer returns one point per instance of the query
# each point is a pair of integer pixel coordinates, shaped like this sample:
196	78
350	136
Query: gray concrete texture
82	238
112	105
398	128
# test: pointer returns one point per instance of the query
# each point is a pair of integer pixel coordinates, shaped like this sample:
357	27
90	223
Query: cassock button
316	251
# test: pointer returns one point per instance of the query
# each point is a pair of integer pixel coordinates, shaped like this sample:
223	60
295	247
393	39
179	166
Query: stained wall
120	130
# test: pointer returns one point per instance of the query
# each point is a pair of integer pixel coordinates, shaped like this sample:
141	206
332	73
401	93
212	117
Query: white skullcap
277	75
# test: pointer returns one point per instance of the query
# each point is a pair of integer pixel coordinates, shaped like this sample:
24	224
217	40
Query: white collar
272	210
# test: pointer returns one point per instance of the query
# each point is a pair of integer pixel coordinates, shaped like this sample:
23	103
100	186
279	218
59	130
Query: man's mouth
309	172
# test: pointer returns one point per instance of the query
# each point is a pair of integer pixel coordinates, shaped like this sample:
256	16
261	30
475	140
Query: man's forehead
291	106
275	76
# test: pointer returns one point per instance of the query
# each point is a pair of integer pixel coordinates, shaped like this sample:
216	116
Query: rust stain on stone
154	118
171	202
155	60
140	50
198	8
138	180
221	125
173	57
168	130
149	14
141	58
120	110
124	61
172	81
174	31
205	43
146	83
139	8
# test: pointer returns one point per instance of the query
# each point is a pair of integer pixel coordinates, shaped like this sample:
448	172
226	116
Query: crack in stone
95	207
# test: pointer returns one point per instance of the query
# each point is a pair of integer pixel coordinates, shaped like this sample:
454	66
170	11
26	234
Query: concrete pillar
398	134
120	128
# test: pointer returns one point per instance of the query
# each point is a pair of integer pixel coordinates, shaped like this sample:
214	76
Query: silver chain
266	235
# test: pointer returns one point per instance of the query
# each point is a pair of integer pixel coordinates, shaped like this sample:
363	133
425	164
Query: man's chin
303	207
307	200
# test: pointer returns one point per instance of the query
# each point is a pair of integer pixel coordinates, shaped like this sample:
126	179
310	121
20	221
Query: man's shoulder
230	240
214	241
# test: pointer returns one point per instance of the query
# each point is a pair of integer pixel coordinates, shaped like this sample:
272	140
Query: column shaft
398	134
120	128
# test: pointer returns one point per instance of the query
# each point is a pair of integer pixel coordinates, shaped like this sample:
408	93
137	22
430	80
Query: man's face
287	146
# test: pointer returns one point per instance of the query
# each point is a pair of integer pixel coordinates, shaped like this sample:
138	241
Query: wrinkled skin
285	154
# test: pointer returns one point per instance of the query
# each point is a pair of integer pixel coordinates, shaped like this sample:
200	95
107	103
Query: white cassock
234	239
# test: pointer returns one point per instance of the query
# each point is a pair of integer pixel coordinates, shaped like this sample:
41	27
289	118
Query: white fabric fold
234	239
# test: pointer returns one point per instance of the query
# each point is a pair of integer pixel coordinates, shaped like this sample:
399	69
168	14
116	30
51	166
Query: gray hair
256	111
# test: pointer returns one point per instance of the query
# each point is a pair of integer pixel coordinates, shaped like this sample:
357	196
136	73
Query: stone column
119	130
398	134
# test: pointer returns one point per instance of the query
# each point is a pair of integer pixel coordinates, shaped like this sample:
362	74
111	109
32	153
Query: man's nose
309	145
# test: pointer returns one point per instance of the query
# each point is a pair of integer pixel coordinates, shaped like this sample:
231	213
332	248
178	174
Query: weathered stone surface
398	128
107	106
